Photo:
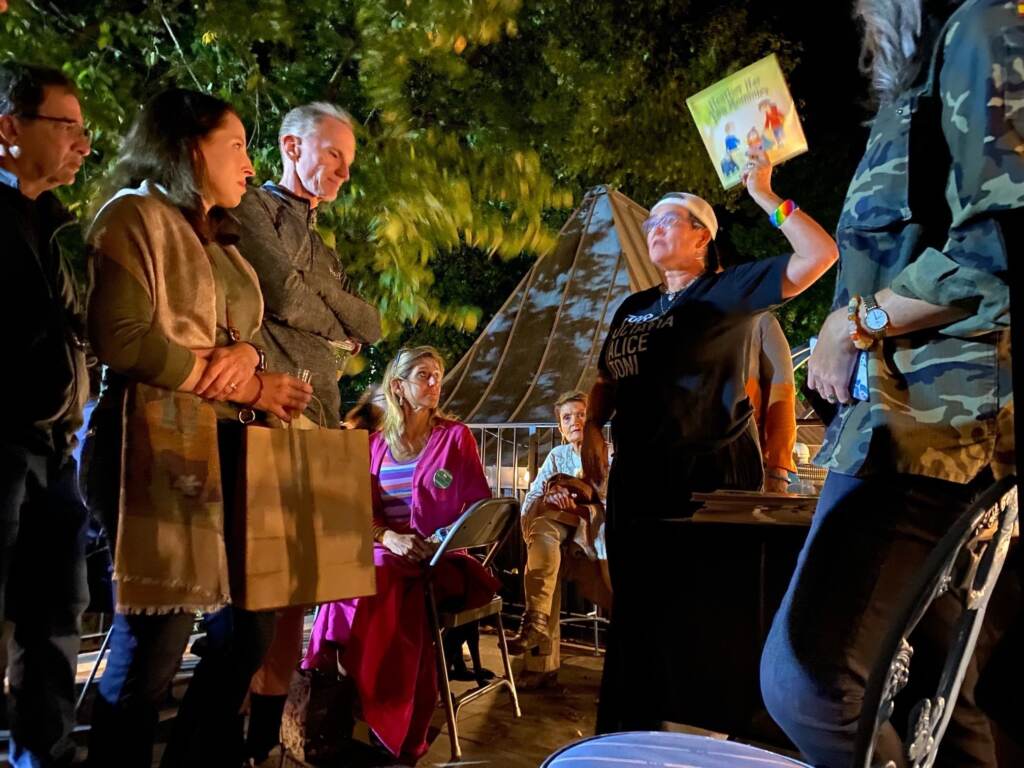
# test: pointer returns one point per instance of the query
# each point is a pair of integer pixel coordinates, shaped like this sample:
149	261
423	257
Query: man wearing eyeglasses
43	143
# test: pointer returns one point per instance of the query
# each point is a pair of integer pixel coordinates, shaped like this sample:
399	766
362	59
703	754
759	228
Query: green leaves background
481	122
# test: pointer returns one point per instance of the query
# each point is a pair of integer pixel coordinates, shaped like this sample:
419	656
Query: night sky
831	92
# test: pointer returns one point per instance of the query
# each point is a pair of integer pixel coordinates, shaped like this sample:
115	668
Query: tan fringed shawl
170	553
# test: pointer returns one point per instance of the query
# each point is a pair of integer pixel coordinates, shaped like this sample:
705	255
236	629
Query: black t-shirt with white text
680	366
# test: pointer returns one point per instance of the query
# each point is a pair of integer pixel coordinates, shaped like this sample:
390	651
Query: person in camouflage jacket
930	219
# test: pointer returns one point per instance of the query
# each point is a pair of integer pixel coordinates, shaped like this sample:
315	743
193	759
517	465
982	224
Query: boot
265	714
533	633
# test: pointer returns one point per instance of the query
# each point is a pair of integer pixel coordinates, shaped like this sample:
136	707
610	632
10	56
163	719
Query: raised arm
814	249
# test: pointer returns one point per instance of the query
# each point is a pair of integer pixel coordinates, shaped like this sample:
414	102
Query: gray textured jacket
308	299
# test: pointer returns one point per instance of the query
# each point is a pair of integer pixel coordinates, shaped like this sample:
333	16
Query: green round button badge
443	478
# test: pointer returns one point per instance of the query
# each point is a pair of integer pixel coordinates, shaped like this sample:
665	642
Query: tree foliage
480	121
417	190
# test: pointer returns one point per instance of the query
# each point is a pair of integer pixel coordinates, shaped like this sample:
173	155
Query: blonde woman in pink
426	471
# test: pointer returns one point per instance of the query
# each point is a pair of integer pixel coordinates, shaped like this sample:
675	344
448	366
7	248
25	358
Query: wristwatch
876	319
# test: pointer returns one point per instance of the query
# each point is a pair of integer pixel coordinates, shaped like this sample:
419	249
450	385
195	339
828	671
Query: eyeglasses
72	128
667	220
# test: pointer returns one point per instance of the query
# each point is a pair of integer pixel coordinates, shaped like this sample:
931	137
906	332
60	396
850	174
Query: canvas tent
546	338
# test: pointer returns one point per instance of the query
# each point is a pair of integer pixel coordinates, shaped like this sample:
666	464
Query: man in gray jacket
312	319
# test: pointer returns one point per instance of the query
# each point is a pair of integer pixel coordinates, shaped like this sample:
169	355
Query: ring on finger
831	398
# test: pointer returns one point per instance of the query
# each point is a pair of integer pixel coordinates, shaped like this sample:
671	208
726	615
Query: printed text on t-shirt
629	340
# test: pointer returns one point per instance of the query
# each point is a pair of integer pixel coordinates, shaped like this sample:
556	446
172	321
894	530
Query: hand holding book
757	178
749	112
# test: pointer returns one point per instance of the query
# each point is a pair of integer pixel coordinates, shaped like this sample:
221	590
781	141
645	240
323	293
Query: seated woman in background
425	472
174	315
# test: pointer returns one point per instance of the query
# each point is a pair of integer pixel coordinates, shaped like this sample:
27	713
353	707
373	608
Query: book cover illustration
748	110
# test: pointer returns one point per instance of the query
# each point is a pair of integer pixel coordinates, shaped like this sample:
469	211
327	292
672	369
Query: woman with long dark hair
175	315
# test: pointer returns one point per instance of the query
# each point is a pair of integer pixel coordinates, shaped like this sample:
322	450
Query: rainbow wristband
783	212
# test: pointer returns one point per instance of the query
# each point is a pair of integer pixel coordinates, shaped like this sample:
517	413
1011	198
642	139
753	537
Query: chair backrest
968	561
485	523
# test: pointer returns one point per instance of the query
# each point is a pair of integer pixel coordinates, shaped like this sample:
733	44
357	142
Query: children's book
749	110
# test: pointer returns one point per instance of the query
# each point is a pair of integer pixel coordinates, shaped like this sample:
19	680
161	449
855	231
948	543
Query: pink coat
450	448
384	640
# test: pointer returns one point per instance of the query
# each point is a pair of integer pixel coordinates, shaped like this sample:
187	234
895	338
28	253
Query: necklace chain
671	296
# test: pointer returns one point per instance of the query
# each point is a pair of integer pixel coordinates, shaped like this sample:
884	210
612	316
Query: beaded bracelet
860	339
783	212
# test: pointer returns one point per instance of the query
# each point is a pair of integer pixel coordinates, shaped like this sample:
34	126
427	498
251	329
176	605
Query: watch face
876	319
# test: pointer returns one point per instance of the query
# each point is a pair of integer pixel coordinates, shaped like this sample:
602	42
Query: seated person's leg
544	541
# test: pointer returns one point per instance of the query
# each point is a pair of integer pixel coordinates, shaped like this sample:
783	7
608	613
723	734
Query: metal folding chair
485	524
967	561
95	667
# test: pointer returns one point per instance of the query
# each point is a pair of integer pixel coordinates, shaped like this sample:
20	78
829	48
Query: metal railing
511	454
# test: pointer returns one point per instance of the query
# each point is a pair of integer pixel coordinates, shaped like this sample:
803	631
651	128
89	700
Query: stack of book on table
754	507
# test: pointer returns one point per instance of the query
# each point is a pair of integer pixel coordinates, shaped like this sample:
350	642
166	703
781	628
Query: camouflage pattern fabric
940	401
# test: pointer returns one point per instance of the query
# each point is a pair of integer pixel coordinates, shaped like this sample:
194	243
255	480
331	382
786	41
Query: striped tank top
395	478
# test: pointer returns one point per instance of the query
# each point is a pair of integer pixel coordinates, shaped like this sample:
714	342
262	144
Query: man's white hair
304	119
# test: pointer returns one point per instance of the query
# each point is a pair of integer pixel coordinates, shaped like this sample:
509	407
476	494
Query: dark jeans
145	652
645	666
43	591
869	538
144	655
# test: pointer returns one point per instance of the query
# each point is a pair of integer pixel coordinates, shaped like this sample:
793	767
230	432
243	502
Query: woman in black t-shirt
672	371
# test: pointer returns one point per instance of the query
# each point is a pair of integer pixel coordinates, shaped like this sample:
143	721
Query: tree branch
181	53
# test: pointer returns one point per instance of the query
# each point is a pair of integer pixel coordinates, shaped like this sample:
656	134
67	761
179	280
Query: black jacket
45	380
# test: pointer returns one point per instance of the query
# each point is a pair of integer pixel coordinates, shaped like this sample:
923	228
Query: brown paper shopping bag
305	517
